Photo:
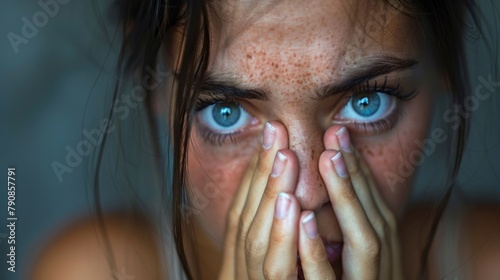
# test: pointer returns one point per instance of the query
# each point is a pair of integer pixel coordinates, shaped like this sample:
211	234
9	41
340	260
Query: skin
297	53
221	177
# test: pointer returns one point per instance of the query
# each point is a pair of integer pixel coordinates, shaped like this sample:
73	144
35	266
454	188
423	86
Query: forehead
264	41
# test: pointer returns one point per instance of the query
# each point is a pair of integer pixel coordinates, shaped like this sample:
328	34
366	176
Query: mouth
333	253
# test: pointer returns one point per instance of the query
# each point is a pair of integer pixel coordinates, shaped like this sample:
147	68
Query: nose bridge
305	139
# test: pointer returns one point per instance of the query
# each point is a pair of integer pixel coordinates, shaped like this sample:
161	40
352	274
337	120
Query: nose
306	140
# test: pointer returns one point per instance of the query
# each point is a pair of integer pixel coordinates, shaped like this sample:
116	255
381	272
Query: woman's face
309	66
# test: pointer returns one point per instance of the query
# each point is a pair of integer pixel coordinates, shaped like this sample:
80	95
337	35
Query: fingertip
313	256
283	203
325	161
290	156
339	165
330	139
281	133
309	225
286	207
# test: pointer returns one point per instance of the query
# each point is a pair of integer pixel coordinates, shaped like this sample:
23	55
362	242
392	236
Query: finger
364	191
283	178
313	257
227	270
275	138
337	138
281	260
391	221
379	201
361	244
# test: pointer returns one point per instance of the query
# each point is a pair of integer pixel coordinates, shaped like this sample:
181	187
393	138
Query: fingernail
344	140
339	165
269	135
310	226
282	206
278	165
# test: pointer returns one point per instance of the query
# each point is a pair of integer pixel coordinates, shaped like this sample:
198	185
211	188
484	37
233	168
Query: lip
333	252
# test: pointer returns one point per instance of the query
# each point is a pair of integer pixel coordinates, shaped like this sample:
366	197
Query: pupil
226	114
366	104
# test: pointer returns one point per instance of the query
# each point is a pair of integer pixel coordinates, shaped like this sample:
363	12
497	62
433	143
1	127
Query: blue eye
368	107
226	114
224	117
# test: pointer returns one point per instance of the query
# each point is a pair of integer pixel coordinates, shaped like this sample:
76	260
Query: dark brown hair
147	26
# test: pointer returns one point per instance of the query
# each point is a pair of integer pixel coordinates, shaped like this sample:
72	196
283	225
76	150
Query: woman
295	131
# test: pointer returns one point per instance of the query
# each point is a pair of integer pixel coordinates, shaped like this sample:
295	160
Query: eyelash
381	125
208	135
389	123
384	124
395	91
218	139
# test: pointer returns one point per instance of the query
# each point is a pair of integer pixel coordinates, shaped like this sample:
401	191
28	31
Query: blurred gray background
50	89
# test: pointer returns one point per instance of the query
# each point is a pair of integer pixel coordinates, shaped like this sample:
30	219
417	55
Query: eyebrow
226	85
229	87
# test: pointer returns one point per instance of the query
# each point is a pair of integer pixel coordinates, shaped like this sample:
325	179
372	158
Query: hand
257	245
371	245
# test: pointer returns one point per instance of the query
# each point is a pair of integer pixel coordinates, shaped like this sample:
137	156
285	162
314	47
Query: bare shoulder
482	231
79	251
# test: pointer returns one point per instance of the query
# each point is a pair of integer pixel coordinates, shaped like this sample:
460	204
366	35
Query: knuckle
271	192
348	194
263	166
354	169
372	247
255	250
273	270
277	237
245	220
381	228
318	255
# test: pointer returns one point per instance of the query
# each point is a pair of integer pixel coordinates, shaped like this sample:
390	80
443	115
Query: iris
226	114
366	105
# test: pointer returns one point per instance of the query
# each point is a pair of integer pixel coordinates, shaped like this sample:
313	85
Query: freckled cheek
387	161
214	175
393	159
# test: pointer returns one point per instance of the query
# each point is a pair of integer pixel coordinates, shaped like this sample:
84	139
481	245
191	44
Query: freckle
249	56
